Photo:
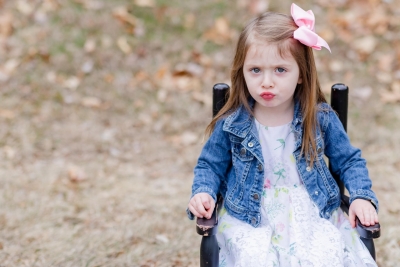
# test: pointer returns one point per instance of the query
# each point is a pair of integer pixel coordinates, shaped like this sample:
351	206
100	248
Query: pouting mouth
267	95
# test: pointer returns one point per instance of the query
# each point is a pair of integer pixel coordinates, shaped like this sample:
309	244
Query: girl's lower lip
267	96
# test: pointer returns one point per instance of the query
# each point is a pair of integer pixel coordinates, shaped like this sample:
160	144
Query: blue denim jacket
231	163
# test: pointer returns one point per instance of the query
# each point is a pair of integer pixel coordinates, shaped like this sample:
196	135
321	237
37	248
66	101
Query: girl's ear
300	80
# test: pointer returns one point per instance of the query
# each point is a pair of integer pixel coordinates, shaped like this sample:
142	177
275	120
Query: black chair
209	250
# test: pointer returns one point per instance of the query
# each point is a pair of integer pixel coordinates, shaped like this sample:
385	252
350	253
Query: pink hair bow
306	33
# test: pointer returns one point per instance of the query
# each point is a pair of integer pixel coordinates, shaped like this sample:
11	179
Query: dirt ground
103	106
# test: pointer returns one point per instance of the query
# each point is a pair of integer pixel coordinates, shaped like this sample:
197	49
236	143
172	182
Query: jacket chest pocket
241	153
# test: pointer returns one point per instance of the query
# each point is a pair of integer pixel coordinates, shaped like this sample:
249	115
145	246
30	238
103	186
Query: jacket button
319	150
260	167
243	151
250	144
316	192
308	169
255	196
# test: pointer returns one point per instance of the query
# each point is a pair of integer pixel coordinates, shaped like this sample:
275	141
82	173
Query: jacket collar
240	121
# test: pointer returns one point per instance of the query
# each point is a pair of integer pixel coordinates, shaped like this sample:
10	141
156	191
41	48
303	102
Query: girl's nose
267	81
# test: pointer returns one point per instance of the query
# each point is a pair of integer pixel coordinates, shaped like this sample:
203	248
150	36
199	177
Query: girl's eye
255	70
280	70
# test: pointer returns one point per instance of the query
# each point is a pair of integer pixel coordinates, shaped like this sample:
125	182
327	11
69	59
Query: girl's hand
202	205
365	212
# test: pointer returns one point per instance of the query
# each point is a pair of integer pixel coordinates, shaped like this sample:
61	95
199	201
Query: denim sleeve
213	164
346	161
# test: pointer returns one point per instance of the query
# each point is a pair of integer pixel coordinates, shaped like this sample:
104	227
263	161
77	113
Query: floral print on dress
288	217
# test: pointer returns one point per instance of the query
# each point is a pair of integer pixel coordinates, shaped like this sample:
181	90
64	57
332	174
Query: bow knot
305	34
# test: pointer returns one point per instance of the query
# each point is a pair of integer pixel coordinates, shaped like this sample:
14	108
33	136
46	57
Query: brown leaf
390	97
121	13
378	20
6	28
76	174
182	73
204	98
220	32
7	114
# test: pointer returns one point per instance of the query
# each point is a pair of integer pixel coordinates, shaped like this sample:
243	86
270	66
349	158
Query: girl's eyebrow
279	64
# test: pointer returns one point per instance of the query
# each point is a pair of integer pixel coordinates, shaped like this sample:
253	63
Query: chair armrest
368	232
208	227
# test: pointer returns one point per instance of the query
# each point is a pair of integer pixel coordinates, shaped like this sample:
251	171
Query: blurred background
103	107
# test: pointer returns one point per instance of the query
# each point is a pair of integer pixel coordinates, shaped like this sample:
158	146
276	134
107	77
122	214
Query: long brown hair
276	28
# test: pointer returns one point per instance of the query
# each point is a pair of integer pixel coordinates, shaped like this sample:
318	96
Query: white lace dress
291	232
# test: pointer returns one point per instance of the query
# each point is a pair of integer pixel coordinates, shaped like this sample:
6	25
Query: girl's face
271	79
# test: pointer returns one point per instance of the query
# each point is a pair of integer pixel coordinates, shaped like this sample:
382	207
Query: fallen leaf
336	65
365	45
384	77
122	14
9	152
385	62
162	239
76	174
72	83
90	46
91	102
122	43
189	21
6	27
145	3
220	33
11	65
396	87
204	98
24	7
7	114
390	97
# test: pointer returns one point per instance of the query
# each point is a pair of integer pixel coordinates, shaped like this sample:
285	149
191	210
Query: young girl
265	157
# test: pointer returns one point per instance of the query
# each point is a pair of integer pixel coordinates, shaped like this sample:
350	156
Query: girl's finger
200	208
361	217
376	216
206	202
194	211
367	217
211	209
352	218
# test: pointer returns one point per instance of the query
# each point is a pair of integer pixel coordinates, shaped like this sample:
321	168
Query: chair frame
209	250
